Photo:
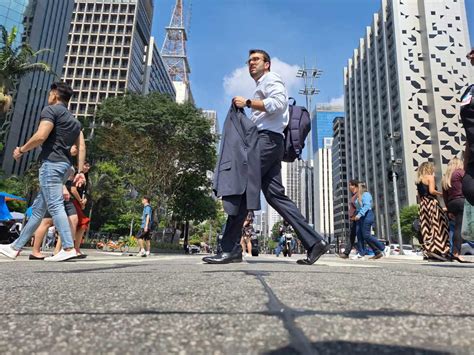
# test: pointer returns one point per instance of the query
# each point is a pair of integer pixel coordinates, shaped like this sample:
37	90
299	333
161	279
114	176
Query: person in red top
454	201
352	212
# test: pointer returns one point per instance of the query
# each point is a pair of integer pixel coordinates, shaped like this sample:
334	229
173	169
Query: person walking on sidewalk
269	112
365	219
352	229
58	130
144	235
433	219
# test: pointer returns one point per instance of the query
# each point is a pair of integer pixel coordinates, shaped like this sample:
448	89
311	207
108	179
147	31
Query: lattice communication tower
174	46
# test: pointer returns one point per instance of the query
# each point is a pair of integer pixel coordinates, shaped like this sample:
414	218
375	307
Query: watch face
248	103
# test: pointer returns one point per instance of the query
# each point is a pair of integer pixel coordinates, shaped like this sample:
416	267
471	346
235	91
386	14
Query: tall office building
272	217
157	78
42	24
211	115
324	204
323	118
339	180
291	175
109	52
404	80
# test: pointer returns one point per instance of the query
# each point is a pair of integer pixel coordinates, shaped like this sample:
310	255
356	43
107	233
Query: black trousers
456	207
352	237
271	154
468	184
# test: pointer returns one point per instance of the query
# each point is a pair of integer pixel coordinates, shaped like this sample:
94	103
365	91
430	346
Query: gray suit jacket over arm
237	172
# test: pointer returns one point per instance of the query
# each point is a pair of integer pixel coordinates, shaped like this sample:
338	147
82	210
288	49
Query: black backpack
295	133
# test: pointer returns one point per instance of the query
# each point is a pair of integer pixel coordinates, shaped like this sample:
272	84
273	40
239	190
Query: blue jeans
52	176
364	226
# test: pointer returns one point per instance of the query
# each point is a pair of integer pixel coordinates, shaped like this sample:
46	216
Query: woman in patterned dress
433	220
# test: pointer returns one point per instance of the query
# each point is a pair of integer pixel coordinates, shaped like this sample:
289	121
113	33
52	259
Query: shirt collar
261	78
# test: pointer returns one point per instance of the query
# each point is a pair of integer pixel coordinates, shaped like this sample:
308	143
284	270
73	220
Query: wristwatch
248	103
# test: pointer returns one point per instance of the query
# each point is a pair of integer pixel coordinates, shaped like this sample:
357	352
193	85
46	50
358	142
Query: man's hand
145	229
17	154
79	180
239	101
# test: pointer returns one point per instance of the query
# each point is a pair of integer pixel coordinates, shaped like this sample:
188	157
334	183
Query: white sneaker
8	251
386	251
147	253
141	253
358	257
62	255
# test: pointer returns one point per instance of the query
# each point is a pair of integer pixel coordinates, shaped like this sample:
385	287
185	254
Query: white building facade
324	204
405	77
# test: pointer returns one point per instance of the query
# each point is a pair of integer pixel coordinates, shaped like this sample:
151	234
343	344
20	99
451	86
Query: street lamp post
309	76
394	163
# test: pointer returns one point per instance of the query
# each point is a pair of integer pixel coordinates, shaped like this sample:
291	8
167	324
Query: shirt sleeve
276	97
48	115
148	211
366	204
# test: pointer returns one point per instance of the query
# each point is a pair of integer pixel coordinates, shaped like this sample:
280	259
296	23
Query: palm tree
15	62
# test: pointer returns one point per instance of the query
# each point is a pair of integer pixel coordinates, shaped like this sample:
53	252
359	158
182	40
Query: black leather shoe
235	256
318	249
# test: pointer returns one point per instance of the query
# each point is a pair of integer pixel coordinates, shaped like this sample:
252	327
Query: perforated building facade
405	76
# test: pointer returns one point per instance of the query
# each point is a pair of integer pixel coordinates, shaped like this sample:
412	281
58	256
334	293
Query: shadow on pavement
79	271
460	266
347	347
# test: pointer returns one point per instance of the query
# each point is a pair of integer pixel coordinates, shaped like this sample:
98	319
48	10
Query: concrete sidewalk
266	305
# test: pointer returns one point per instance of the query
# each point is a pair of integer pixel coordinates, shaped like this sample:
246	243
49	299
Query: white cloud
335	102
240	83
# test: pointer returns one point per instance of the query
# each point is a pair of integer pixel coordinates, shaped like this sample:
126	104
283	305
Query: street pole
395	195
309	76
131	228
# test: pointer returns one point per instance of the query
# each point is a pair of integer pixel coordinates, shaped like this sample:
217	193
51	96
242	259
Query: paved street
267	305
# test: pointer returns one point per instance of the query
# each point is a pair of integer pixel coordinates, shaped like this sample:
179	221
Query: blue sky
324	32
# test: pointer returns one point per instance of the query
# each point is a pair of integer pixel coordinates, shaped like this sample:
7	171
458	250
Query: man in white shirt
270	113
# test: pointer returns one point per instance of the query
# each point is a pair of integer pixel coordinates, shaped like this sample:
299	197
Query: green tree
407	215
156	141
164	148
275	235
110	207
15	62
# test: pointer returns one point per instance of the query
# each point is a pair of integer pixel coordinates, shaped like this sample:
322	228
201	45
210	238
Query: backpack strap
294	101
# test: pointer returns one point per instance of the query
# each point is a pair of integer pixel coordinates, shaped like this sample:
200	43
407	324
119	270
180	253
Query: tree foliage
15	62
407	215
162	149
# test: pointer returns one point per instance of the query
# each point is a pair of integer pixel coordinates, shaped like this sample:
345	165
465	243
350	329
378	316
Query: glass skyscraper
43	24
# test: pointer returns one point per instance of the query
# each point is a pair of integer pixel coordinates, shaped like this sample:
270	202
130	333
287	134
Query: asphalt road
174	304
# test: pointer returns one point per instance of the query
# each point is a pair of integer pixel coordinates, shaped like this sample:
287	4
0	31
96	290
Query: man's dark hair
266	56
354	182
470	54
64	91
147	198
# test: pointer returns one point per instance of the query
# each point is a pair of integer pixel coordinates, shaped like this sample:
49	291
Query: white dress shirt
272	91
